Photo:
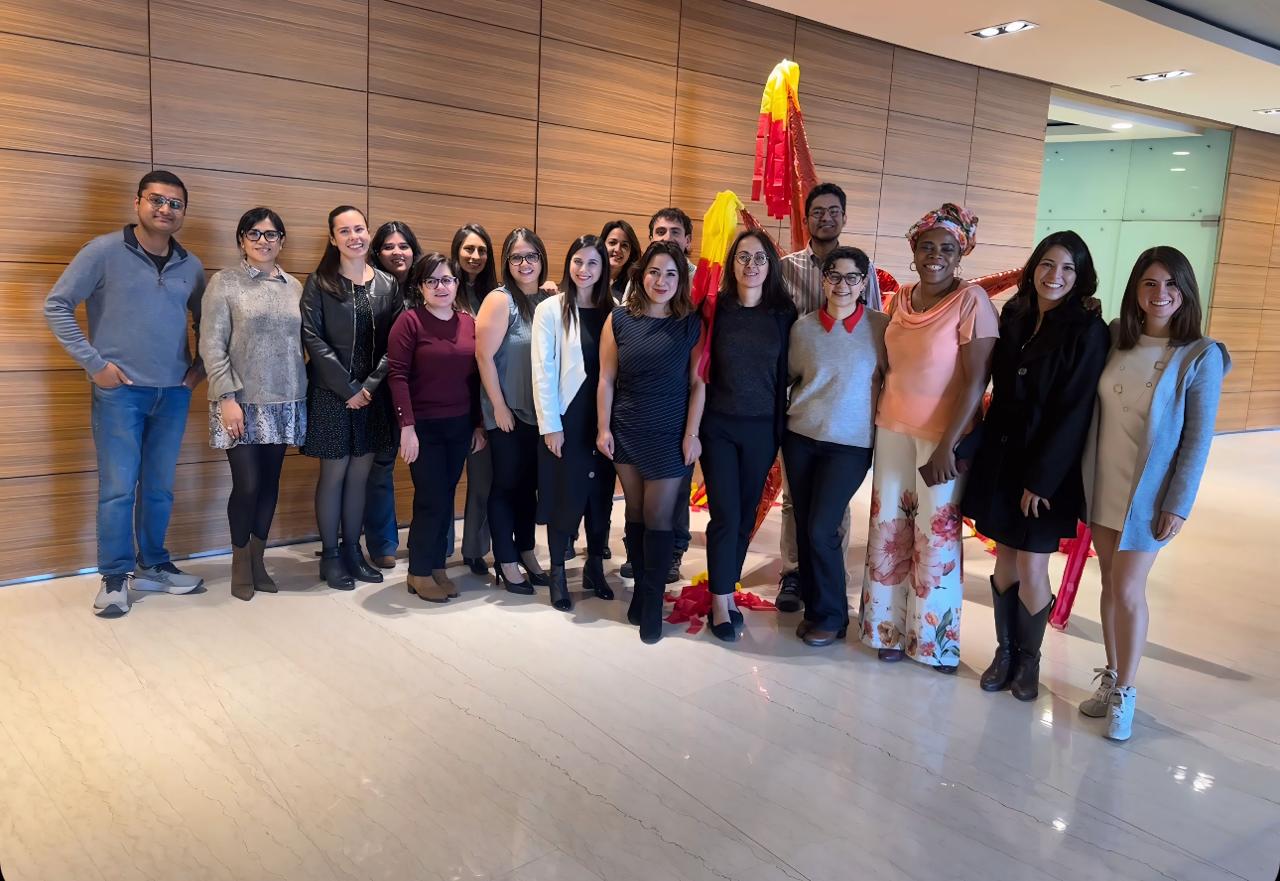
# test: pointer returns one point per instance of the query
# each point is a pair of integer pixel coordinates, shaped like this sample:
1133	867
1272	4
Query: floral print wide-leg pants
913	583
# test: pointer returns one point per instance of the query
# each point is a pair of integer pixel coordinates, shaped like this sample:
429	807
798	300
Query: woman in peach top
939	341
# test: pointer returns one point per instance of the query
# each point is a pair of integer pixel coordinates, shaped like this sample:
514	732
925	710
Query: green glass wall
1123	197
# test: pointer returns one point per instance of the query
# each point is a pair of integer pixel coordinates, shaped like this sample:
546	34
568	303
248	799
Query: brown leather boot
426	588
261	579
444	582
241	573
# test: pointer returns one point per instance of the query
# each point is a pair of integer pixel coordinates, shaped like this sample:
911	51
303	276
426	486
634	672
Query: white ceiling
1088	45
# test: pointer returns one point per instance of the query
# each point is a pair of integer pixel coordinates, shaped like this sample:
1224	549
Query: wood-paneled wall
508	112
1245	312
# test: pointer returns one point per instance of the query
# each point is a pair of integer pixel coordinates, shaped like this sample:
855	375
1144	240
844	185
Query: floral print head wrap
960	222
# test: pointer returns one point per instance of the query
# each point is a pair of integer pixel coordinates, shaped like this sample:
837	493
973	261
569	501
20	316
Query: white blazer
558	368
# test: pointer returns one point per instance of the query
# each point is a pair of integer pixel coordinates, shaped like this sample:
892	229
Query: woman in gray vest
1144	456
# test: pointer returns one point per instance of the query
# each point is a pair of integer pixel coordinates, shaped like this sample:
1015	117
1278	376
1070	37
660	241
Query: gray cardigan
251	337
1184	407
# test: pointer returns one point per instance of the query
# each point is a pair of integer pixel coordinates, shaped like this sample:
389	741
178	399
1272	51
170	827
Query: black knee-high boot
657	559
633	541
1028	636
1005	605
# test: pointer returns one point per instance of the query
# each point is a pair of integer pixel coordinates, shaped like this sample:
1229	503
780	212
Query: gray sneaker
113	597
165	578
1096	706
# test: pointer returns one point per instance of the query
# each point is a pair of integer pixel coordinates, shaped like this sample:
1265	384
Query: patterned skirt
284	423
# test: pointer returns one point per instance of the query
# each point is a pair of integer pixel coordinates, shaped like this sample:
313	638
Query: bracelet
687	434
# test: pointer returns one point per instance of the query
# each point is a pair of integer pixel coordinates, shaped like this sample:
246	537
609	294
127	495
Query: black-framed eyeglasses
819	213
745	259
852	279
436	281
520	259
157	201
271	235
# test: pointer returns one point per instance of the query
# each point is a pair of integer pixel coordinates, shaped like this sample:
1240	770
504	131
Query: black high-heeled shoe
477	565
357	566
523	588
538	579
560	598
593	578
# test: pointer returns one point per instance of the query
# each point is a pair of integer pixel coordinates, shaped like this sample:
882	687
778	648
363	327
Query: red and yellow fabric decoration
784	171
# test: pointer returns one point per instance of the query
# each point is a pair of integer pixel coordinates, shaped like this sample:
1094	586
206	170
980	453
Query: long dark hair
1025	304
682	303
519	297
420	271
632	240
773	293
1185	324
486	278
327	272
386	231
601	293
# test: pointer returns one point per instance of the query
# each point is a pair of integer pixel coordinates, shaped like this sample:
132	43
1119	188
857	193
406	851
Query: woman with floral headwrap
939	341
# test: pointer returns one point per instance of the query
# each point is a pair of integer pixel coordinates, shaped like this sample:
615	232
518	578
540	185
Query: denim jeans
137	432
381	530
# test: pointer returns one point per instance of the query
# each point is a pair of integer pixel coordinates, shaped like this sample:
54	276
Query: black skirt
335	431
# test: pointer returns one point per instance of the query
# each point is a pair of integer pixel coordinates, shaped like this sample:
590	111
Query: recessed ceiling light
1121	126
1270	111
1181	152
1009	27
1177	169
1163	75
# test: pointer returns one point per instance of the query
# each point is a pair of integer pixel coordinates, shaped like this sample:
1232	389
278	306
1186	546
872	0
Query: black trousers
823	478
442	449
736	457
513	497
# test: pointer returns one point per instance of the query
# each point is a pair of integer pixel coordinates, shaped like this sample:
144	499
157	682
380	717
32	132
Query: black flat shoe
523	588
477	565
736	619
890	656
946	669
724	631
333	572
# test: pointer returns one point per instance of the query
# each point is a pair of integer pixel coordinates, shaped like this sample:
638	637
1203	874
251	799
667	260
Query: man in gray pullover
138	285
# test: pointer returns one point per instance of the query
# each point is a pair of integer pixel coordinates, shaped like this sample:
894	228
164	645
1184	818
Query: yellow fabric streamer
719	226
785	76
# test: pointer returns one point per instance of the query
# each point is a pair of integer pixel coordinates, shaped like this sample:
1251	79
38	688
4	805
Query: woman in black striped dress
649	410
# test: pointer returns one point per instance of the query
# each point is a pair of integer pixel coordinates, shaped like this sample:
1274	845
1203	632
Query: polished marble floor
319	735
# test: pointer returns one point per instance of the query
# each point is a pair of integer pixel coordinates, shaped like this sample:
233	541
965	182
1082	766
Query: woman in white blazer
574	480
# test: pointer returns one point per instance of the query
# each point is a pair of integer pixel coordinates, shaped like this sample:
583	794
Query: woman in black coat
1024	490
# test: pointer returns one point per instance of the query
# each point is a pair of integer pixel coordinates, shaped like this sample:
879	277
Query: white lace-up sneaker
165	578
1120	712
113	597
1096	706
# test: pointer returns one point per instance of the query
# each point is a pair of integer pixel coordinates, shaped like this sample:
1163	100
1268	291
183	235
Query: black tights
340	494
255	487
651	502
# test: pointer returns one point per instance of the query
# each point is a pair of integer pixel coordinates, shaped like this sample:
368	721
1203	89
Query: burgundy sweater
432	367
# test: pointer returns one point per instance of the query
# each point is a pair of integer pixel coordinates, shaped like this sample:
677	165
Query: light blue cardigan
1184	408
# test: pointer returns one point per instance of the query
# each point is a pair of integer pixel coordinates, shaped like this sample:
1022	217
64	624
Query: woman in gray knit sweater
251	343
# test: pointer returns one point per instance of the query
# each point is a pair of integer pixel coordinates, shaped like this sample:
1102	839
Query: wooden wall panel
648	29
845	135
838	64
1254	154
1004	218
1006	162
1233	412
904	200
1240	287
1245	243
1275	237
1268	330
25	340
1251	198
929	86
1240	378
207	118
734	39
59	98
428	56
558	227
107	24
219	198
1238	328
862	210
717	112
697	175
1266	371
930	149
93	196
316	41
1264	410
1011	104
520	15
435	149
1272	300
988	258
639	99
434	218
581	169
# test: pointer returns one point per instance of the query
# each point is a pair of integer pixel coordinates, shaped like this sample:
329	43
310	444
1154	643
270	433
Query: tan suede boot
442	580
427	589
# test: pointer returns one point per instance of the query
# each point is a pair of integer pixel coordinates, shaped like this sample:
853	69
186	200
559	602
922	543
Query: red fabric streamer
693	604
1076	557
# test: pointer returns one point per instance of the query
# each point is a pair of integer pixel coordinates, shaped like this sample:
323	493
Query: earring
912	267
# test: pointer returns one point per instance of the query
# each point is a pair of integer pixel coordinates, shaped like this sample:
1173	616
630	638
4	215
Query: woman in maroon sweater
435	386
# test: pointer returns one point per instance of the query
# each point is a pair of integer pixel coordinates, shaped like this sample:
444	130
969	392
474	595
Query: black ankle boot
357	566
333	572
593	578
657	558
997	676
560	598
633	541
1028	636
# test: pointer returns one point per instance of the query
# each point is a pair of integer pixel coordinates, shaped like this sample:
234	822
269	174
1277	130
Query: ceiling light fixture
1181	152
999	30
1121	126
1270	111
1164	75
1177	169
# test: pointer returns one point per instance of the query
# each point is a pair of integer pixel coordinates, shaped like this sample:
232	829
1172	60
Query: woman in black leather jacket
348	308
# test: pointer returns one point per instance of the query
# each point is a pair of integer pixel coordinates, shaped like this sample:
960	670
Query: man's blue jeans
138	433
